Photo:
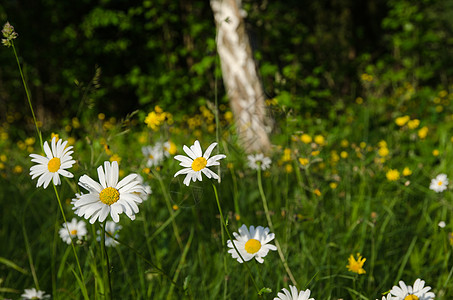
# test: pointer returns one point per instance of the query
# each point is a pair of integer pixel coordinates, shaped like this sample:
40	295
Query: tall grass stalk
106	266
269	221
170	210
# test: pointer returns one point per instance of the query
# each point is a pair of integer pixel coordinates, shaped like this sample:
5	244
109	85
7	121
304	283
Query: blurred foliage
311	55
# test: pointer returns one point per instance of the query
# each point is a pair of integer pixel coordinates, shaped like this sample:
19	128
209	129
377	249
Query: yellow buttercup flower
412	124
407	171
356	266
303	161
305	138
401	121
436	152
344	154
320	140
383	152
392	175
423	132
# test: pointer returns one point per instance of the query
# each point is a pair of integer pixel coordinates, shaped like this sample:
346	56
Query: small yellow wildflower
317	192
289	168
237	217
286	155
439	108
356	266
423	132
344	154
54	135
29	141
314	153
333	185
344	143
359	100
362	145
382	144
412	124
18	169
320	140
401	121
407	171
175	207
383	152
229	117
3	158
334	156
392	175
115	157
305	138
303	161
101	116
71	140
436	152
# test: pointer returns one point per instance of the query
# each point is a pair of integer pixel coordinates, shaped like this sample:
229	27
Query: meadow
352	179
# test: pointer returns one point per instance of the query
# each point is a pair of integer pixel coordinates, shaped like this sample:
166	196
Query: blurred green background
311	54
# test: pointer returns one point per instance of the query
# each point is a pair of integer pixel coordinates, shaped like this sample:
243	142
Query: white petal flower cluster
109	196
251	243
49	168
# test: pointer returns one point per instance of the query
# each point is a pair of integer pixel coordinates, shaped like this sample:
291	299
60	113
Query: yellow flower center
439	183
199	164
54	164
73	232
252	246
109	195
411	297
150	156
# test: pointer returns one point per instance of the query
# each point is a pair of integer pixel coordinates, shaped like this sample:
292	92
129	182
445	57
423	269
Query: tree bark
240	76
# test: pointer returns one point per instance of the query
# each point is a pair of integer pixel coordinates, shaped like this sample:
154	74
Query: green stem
67	228
170	210
232	240
30	257
28	95
269	221
147	261
106	263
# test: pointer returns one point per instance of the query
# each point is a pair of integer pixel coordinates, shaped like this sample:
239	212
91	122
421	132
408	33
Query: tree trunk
240	77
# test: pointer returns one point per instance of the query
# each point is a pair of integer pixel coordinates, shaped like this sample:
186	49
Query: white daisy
198	163
259	160
407	292
294	294
50	167
34	294
251	244
155	155
74	200
112	228
439	184
72	230
109	195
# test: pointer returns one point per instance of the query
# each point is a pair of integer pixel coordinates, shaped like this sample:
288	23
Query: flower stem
269	221
229	235
105	261
28	96
67	228
170	210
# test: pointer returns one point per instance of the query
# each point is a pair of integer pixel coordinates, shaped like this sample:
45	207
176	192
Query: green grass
392	224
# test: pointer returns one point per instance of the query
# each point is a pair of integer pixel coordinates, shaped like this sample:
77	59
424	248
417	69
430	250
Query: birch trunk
240	77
